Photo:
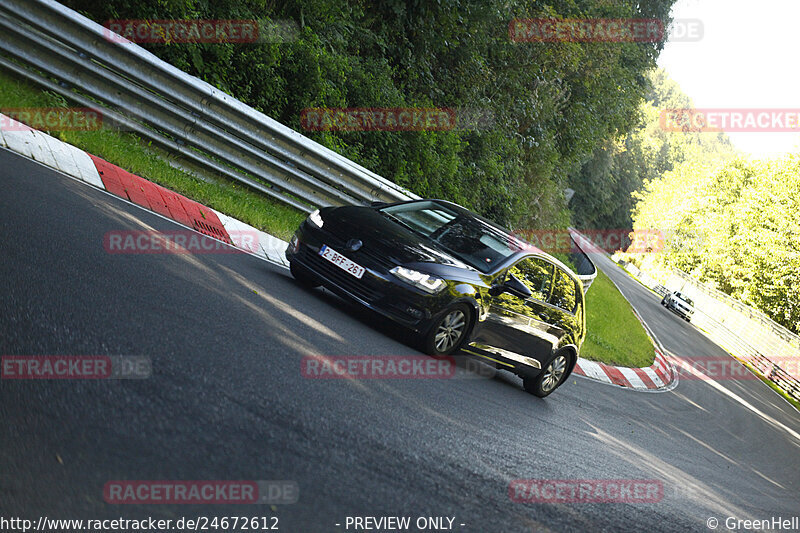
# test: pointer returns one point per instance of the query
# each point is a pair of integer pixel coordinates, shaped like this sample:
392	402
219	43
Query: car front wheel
550	378
448	332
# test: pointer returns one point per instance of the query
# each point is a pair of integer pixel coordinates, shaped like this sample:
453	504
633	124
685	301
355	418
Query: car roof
528	251
455	207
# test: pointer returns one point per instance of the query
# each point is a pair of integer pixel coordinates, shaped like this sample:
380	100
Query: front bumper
679	310
378	289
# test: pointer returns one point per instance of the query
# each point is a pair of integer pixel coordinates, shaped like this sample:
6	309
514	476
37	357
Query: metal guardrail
201	127
745	332
743	351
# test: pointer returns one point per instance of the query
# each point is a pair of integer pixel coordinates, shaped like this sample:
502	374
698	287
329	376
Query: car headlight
316	219
294	244
426	282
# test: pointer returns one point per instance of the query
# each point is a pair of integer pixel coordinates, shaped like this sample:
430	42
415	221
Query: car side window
536	274
564	292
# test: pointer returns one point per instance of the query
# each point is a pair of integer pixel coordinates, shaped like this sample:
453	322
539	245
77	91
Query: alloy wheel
553	373
450	330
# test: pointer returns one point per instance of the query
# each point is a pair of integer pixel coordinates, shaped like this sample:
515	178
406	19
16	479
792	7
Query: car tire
448	331
304	278
551	377
664	301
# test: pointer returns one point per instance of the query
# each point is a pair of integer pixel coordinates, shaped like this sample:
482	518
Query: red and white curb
99	173
658	376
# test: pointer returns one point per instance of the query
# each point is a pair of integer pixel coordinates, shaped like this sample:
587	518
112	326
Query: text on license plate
341	261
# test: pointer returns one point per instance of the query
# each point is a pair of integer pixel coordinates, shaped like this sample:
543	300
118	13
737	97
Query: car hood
383	238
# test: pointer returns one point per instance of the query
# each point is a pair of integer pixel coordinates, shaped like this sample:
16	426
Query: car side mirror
514	286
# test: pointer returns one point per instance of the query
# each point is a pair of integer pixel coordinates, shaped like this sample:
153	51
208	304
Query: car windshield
476	242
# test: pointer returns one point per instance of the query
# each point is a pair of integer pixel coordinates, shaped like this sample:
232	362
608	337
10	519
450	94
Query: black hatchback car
455	279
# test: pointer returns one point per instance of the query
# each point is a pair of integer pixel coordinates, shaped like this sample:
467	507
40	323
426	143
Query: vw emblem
354	245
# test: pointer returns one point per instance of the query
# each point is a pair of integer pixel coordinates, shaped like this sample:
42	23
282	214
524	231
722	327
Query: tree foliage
735	227
606	184
731	222
552	104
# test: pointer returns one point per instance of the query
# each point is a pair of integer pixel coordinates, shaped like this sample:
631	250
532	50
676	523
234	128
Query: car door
522	325
565	312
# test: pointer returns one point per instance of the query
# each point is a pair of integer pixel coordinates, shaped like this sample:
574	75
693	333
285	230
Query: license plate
342	262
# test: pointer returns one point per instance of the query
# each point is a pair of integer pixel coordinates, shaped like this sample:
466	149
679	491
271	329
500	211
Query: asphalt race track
226	334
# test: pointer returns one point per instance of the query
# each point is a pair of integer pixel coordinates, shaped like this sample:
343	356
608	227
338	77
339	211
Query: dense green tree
733	225
551	104
605	184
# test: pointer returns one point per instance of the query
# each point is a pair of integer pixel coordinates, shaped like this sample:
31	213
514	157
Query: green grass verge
613	333
137	156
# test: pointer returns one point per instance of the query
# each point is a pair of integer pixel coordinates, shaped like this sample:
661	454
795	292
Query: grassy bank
614	334
135	155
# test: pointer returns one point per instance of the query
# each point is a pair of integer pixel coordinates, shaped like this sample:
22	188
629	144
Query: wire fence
747	333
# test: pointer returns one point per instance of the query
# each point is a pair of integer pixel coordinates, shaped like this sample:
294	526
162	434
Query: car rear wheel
549	379
448	332
303	277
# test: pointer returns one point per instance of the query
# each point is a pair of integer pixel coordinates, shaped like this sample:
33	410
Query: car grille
375	258
357	287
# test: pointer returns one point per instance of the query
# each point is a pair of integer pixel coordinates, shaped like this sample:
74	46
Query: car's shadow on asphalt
468	366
